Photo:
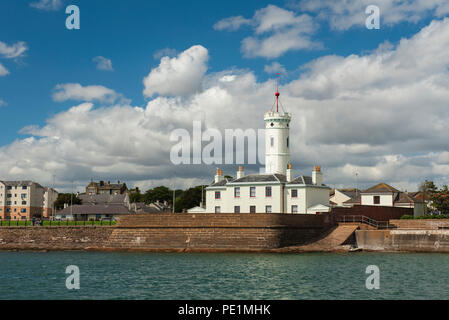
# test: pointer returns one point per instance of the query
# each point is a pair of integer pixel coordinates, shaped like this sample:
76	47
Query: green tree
161	193
428	189
440	200
190	198
136	196
68	198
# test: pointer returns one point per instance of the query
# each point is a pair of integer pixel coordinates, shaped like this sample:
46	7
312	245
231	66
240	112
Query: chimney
240	173
219	175
317	176
289	172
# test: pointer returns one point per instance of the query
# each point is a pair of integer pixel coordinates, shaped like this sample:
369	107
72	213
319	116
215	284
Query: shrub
406	217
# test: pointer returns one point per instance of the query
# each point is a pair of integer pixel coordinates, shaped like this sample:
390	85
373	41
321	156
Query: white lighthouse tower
277	138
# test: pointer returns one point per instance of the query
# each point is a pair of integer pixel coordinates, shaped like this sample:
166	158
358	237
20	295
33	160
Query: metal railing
55	223
366	220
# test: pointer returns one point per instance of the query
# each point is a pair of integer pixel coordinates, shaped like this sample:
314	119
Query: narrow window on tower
272	141
288	142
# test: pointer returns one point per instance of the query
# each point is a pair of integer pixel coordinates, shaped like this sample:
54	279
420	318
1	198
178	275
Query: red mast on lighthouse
277	92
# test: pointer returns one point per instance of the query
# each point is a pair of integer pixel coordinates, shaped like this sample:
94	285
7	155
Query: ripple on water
32	275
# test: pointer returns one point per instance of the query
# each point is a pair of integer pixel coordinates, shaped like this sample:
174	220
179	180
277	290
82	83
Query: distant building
105	199
50	196
197	209
21	200
156	207
385	195
91	212
106	188
97	207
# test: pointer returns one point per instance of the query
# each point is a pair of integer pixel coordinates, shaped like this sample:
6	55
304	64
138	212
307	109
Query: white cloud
3	71
75	91
3	103
274	67
103	63
383	114
343	15
47	5
276	31
181	75
165	52
231	23
15	50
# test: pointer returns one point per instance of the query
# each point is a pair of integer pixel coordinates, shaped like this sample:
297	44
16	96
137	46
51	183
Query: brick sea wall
178	232
427	224
54	238
217	231
403	240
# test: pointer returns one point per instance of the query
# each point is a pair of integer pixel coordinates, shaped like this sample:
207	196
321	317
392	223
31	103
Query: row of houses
381	194
107	207
24	200
20	200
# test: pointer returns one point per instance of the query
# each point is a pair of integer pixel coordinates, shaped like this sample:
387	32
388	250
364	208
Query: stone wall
427	224
174	232
54	238
216	231
403	240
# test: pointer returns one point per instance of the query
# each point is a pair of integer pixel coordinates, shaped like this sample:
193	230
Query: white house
385	195
275	191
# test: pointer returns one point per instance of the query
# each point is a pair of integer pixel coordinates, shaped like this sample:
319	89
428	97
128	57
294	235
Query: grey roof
91	209
351	193
404	198
302	180
219	183
261	178
21	183
354	200
103	199
149	209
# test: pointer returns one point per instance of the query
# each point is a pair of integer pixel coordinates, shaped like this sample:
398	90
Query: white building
385	195
50	196
276	191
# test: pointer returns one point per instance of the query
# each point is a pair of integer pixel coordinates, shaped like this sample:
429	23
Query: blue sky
131	33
